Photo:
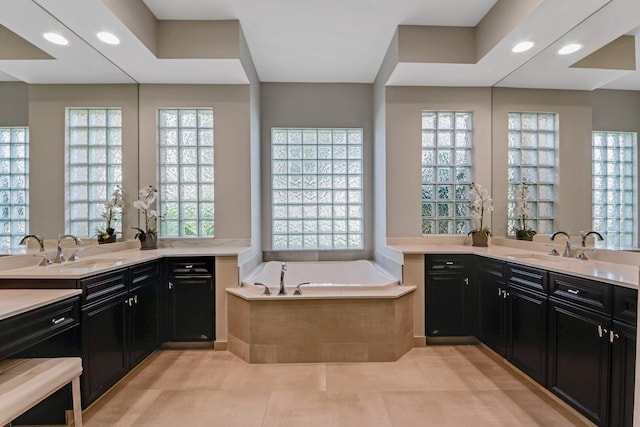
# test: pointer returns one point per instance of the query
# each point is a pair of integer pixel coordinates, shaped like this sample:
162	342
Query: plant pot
525	234
110	239
148	241
480	239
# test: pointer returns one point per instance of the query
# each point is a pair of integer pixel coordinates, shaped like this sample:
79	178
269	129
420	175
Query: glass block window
14	185
447	142
614	187
532	160
186	172
93	167
316	189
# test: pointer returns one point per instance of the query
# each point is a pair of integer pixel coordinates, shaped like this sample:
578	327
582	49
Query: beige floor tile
326	409
120	407
275	377
203	408
374	376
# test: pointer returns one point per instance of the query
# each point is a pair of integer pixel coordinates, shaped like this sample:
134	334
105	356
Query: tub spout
298	290
282	291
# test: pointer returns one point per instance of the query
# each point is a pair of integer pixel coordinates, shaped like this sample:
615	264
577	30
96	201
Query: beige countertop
17	301
626	275
89	265
254	293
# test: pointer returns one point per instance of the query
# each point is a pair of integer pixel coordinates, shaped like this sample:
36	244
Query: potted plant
522	212
481	202
146	199
110	211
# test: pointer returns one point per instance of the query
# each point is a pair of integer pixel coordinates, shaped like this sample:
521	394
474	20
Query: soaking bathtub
349	311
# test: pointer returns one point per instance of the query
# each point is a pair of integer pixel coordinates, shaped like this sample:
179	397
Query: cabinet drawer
30	328
102	286
625	304
528	277
191	266
439	264
594	295
143	274
490	267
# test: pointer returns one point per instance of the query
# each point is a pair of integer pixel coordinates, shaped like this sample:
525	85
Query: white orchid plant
110	211
522	210
145	202
481	203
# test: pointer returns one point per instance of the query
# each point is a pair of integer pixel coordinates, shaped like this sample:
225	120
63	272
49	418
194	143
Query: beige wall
317	105
404	106
47	104
232	142
573	178
14	104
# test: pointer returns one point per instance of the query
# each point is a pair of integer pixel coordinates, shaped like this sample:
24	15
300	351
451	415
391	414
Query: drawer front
25	330
143	274
439	264
625	304
191	266
528	277
102	286
491	267
594	295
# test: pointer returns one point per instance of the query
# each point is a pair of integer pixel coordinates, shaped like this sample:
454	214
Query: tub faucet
298	290
282	291
567	247
60	255
38	237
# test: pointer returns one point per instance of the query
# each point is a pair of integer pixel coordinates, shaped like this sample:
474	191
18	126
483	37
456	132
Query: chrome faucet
298	290
60	255
582	255
282	291
587	234
567	247
38	237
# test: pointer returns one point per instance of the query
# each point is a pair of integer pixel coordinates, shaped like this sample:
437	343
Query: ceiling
323	41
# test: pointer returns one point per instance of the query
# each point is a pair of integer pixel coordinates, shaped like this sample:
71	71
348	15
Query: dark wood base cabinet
191	299
120	325
492	295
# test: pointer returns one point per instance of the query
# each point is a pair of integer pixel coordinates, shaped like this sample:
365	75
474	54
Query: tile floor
429	386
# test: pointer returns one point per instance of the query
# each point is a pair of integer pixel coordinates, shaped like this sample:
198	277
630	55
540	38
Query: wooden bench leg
77	409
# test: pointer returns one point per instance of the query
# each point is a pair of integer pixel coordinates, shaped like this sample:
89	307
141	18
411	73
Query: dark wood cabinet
120	325
448	295
191	299
623	356
104	324
492	295
527	315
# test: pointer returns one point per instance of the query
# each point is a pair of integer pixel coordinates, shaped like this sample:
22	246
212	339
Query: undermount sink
538	258
91	263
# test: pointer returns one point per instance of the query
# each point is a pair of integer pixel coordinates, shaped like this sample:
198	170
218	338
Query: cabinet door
104	351
445	304
144	321
191	309
527	343
623	371
491	297
579	358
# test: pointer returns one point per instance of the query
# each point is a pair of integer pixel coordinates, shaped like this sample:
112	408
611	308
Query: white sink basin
547	259
91	263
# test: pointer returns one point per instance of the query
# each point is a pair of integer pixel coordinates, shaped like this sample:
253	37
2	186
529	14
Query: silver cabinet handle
600	331
135	299
449	262
188	266
613	336
573	291
505	294
499	291
466	280
56	321
170	285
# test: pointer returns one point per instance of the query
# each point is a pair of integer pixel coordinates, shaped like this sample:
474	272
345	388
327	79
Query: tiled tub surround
361	326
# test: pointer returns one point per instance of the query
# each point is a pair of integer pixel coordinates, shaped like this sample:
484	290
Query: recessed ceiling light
108	38
56	38
522	47
569	49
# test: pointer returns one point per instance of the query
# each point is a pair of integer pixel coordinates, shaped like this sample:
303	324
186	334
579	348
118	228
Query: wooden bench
26	382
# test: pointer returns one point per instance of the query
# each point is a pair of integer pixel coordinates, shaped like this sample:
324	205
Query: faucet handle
45	261
553	250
